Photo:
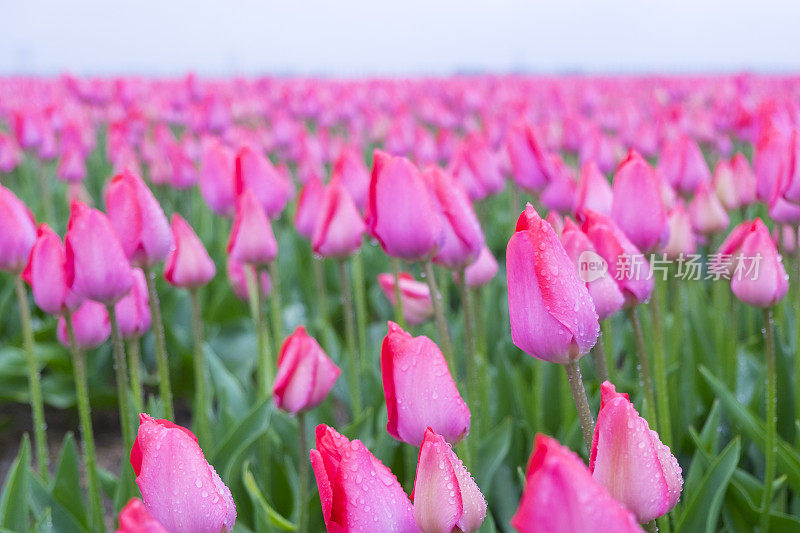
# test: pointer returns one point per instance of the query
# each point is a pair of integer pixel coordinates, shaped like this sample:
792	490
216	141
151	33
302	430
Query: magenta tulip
255	172
305	373
744	179
188	264
724	185
351	169
138	219
133	311
400	212
446	497
593	191
91	324
419	390
629	459
759	278
552	315
528	165
179	488
356	491
134	518
308	207
683	165
414	295
97	267
217	169
72	166
681	234
17	232
238	279
339	229
706	211
46	274
252	240
483	270
561	496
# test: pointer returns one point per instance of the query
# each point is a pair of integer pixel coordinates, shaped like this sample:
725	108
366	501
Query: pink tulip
134	518
252	240
217	169
255	172
133	311
785	238
91	324
482	271
637	207
783	205
707	213
552	315
28	129
17	232
759	278
446	497
626	264
72	166
724	185
400	212
308	207
629	459
179	488
744	179
528	166
238	279
606	295
560	496
559	194
138	219
769	162
683	165
47	276
188	264
681	234
593	191
356	491
419	390
414	295
97	267
339	230
354	174
305	373
10	153
463	237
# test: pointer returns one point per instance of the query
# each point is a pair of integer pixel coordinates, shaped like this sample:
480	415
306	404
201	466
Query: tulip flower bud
744	179
706	212
238	279
482	271
134	518
308	207
357	492
339	229
606	295
133	311
138	219
255	172
188	264
626	264
552	315
97	267
401	213
414	295
683	165
759	278
528	166
91	325
28	129
72	166
561	496
681	234
10	153
305	374
354	174
446	497
768	161
216	180
252	240
724	185
559	195
593	191
17	232
179	488
47	276
629	459
463	237
785	238
419	390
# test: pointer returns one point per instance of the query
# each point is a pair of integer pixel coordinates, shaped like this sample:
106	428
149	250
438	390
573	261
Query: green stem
350	337
796	308
264	356
399	317
121	368
47	193
302	521
162	363
644	368
483	363
660	369
473	387
201	405
438	312
651	527
275	306
322	292
134	355
34	381
357	263
539	380
581	403
607	338
600	362
87	434
771	422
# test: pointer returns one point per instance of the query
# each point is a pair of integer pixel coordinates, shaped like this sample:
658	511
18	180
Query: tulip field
436	305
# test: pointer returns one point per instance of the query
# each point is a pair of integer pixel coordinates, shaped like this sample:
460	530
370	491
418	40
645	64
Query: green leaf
494	448
42	501
260	503
702	510
788	458
66	479
242	435
14	509
44	524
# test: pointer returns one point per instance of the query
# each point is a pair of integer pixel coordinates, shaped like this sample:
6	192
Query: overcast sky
363	37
